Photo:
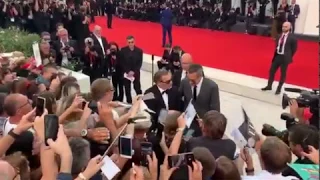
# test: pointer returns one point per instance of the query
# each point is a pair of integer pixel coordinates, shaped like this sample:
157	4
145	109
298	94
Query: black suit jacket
131	60
57	45
295	14
290	47
156	104
99	48
176	78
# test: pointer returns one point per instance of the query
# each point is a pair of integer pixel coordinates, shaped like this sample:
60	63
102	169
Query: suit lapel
202	88
158	95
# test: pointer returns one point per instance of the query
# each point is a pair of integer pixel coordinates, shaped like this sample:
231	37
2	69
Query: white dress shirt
65	60
198	87
164	97
7	126
265	175
284	43
101	44
183	74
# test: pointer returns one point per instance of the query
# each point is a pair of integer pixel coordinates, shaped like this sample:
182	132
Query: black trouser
136	86
249	21
109	20
278	62
292	20
117	81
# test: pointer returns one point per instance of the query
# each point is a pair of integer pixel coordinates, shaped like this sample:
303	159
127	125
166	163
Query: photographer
112	67
66	49
301	136
174	58
91	60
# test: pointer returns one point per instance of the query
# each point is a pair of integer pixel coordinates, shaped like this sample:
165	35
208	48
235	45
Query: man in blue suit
166	22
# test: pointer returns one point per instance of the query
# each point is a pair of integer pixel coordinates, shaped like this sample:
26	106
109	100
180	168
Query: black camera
67	48
113	52
269	130
308	99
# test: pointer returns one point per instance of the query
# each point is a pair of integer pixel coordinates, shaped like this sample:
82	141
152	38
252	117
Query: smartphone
51	127
93	105
180	160
162	116
84	104
125	146
40	105
146	149
188	135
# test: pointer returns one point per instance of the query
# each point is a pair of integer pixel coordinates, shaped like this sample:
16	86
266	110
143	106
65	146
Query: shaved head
97	31
186	60
286	26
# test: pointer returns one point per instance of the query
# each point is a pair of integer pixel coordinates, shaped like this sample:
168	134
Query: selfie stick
152	68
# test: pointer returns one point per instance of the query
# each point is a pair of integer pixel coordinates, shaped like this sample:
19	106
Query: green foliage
17	40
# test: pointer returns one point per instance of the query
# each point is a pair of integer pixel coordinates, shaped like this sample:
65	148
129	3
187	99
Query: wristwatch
82	177
180	129
84	133
12	134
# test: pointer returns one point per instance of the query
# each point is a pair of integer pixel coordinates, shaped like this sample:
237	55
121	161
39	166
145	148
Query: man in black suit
100	42
166	96
294	11
65	48
286	47
179	75
131	62
109	10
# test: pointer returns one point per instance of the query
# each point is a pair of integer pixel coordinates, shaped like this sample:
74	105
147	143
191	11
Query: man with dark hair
300	137
166	96
202	91
213	127
131	62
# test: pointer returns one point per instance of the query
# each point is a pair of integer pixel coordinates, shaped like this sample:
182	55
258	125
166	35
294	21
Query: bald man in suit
179	75
286	47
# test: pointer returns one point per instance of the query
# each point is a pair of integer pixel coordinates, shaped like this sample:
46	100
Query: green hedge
17	40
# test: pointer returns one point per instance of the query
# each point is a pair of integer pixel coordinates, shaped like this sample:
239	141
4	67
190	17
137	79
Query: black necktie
195	93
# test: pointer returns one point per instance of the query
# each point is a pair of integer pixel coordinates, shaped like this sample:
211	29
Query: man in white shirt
274	156
100	42
286	47
178	76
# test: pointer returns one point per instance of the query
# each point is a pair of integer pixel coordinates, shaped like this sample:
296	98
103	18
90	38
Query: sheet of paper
36	54
109	168
148	96
125	105
125	75
190	114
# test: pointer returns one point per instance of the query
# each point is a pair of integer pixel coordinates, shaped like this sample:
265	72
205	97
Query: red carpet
241	53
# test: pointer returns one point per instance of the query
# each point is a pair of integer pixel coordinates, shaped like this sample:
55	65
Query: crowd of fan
74	155
208	15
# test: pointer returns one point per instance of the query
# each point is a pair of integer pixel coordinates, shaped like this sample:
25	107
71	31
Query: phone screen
40	105
51	127
93	105
181	160
84	104
125	146
146	149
